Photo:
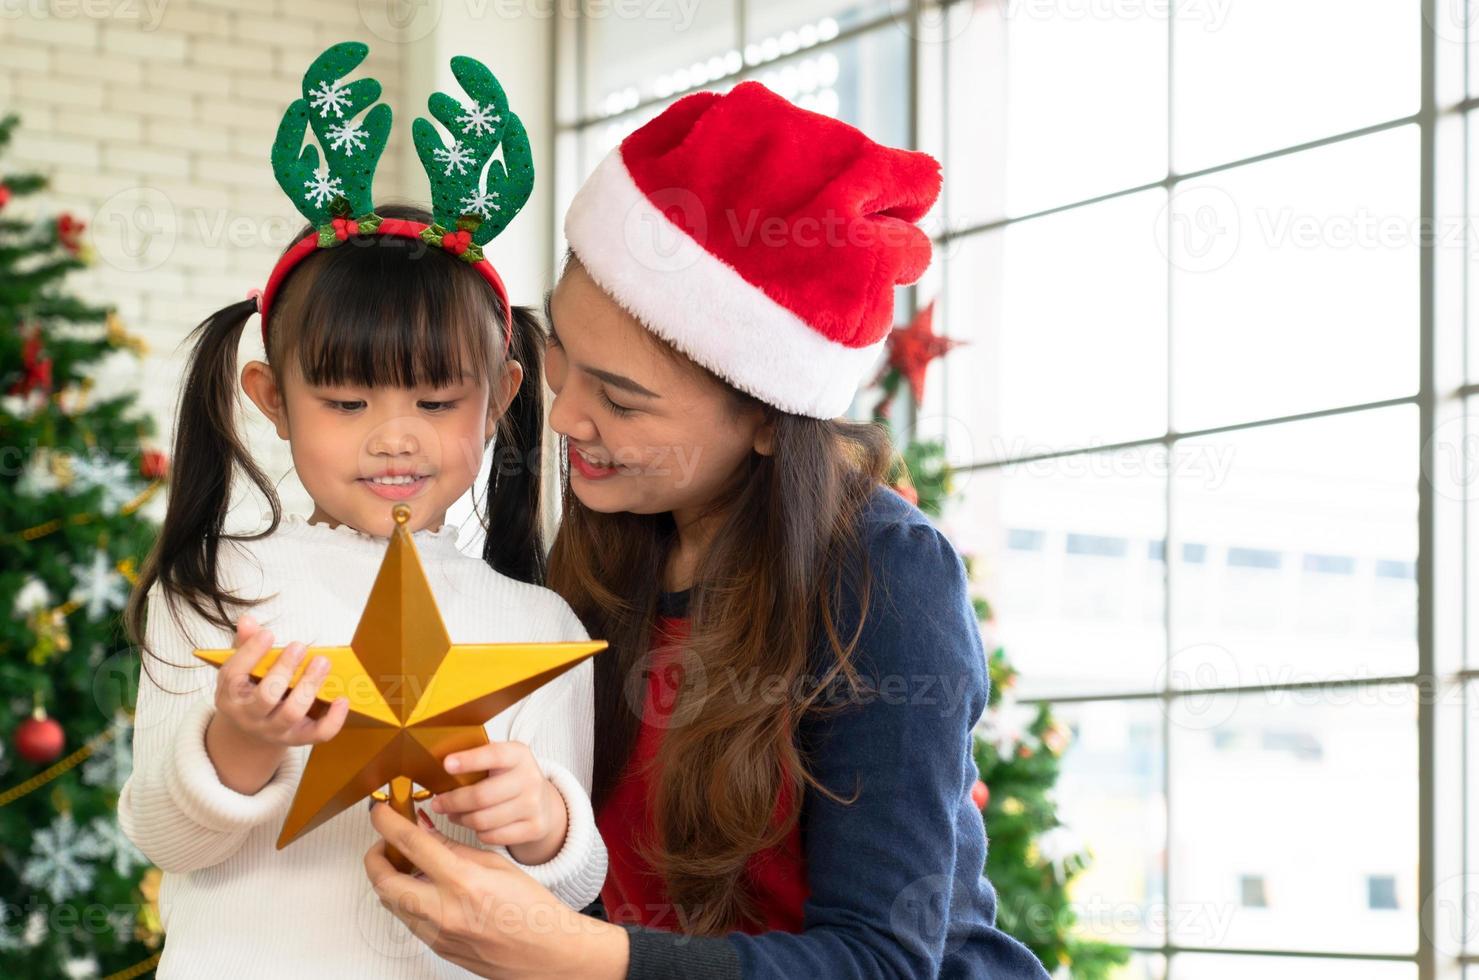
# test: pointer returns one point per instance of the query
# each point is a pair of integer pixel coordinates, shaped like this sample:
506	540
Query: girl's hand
514	805
267	712
480	912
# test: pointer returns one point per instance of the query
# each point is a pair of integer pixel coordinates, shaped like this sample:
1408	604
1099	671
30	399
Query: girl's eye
620	411
436	406
346	406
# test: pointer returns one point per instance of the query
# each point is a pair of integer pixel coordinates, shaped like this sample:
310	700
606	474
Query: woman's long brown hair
372	311
764	605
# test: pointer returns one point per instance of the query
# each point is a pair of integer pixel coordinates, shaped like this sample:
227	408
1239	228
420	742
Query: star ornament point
415	697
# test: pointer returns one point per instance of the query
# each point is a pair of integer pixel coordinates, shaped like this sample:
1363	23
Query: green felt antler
461	201
351	149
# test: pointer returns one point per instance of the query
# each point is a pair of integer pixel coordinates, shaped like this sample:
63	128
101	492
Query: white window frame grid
1447	691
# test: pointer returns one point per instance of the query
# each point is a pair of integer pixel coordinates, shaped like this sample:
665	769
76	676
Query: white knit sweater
231	904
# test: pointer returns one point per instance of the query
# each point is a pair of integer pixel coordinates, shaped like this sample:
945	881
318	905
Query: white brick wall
167	127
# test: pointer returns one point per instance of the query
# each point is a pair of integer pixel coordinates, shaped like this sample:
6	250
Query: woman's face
648	432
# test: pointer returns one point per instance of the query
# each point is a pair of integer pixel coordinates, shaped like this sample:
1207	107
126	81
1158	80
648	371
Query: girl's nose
393	440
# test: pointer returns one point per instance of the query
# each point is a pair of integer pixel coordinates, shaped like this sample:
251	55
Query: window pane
1294	552
1205	966
1312	791
1075	105
1294	282
1111	799
1255	75
1068	560
634	54
862	81
1065	318
777	28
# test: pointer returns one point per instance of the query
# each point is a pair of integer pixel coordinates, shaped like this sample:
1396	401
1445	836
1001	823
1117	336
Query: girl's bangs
392	315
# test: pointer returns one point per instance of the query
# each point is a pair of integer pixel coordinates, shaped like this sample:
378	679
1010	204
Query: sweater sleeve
896	876
173	805
556	723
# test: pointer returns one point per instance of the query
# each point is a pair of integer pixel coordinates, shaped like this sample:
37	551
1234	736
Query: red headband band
400	228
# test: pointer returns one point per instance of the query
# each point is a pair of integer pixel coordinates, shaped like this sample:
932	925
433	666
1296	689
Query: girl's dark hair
373	311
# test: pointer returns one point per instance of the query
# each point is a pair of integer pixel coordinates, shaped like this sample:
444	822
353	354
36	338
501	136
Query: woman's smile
588	468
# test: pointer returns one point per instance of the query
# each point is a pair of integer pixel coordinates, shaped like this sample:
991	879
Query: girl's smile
393	486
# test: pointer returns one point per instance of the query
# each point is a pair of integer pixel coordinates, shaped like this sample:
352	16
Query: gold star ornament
414	696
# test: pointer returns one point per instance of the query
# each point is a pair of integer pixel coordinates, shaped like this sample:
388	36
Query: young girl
386	372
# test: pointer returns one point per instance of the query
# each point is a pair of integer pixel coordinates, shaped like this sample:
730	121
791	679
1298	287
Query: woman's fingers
401	893
246	626
425	849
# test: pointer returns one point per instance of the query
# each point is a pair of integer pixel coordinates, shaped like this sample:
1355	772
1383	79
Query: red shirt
634	892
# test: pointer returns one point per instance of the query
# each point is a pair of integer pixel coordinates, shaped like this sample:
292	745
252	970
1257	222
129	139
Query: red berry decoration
4	195
980	795
39	739
69	230
153	464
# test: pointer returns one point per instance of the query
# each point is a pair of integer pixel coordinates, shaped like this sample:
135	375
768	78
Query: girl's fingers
511	813
487	758
274	684
480	795
297	703
248	652
518	832
325	728
246	626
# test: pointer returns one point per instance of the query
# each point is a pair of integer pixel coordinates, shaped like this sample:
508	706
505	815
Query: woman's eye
618	410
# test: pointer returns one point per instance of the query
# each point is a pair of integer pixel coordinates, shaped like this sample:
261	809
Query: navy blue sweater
896	881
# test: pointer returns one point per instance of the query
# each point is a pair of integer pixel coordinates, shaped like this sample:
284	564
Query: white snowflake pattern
322	189
458	156
99	586
33	596
80	968
100	471
61	859
111	842
478	119
330	97
348	137
112	760
482	202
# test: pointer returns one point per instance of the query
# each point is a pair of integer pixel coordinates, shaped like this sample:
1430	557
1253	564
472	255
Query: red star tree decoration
912	348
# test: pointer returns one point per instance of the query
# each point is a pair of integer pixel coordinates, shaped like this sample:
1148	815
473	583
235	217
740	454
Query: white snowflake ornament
33	596
111	842
322	188
329	97
348	137
61	859
478	119
100	587
100	471
458	156
482	202
113	759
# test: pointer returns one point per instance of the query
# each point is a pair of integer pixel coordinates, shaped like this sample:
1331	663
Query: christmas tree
1033	858
77	896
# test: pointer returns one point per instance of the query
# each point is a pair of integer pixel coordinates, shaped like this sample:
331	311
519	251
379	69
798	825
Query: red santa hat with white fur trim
762	240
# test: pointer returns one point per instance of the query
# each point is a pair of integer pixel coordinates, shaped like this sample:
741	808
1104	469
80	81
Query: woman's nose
567	419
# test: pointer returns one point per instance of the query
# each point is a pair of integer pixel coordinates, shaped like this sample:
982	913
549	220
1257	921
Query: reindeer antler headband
467	212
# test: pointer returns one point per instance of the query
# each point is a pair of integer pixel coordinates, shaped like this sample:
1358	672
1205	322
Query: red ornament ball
4	195
153	464
980	794
39	739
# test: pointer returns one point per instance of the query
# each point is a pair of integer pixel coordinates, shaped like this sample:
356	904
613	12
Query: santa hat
762	240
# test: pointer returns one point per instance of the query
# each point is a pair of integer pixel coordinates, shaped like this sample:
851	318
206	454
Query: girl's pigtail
517	547
208	452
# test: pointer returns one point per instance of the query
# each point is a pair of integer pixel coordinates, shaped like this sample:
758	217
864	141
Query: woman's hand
479	911
256	723
514	805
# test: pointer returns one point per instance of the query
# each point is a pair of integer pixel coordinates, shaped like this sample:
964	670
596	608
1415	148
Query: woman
783	718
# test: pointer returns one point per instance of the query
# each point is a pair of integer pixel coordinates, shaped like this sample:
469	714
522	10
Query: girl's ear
261	386
765	436
503	392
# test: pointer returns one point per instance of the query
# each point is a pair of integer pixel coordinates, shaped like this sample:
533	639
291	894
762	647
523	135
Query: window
1210	340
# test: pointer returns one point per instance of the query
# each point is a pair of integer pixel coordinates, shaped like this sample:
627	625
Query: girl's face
648	433
360	451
